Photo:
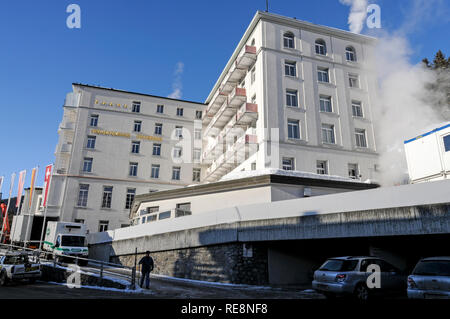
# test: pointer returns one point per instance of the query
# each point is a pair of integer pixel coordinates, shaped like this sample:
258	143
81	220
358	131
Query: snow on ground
138	289
209	283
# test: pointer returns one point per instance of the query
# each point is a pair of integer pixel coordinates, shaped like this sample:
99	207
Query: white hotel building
293	96
114	145
315	84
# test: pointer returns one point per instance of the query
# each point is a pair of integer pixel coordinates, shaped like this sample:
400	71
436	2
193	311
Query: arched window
321	47
288	40
350	54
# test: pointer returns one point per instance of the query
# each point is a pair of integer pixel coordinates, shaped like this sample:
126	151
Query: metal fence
101	268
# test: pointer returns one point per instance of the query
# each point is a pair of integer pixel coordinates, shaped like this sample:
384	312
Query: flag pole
30	203
22	176
13	176
45	209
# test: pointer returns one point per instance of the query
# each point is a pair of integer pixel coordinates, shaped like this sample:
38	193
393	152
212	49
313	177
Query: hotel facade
294	96
114	145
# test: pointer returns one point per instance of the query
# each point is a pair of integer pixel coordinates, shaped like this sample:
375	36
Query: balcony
216	102
237	97
67	125
246	57
233	156
247	114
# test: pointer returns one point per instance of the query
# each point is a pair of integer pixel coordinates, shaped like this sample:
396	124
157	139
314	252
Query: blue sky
136	45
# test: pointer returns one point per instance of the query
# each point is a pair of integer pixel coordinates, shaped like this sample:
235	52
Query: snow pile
277	171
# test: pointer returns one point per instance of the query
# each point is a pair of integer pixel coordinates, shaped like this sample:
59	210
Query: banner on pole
48	177
33	179
22	175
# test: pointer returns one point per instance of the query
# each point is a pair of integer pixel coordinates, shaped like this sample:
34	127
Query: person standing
147	265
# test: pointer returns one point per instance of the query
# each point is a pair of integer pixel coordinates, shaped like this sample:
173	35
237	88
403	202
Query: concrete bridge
283	242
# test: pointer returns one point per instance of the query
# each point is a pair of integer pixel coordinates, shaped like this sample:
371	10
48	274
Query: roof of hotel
252	182
287	21
137	93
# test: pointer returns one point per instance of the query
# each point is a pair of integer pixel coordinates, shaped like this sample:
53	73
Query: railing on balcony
236	73
233	156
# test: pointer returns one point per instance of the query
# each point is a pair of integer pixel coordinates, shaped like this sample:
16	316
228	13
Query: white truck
66	240
15	266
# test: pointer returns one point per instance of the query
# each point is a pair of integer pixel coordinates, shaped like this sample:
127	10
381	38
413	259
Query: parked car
16	266
348	276
430	279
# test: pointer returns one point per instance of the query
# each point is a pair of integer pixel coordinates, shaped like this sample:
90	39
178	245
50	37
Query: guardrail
98	267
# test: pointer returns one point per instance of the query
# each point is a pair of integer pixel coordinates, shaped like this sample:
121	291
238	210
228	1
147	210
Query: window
447	143
177	151
360	138
350	54
83	193
136	107
107	196
103	226
133	169
253	75
179	132
357	109
157	149
290	68
196	174
131	192
153	209
253	166
135	147
198	133
253	99
94	120
179	111
353	80
198	115
183	209
160	109
328	134
155	171
325	104
137	126
322	167
176	173
288	163
288	40
91	142
353	171
79	221
197	154
291	98
293	129
158	129
322	75
321	47
87	164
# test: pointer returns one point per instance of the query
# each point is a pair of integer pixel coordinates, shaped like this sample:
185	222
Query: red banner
48	176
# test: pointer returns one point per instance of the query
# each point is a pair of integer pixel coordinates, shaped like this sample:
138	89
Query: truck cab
66	240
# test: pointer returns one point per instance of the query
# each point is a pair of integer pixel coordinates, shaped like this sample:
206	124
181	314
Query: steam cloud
177	85
405	107
358	13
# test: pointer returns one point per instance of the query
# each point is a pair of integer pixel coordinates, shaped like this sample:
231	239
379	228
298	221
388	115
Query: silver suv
348	276
430	279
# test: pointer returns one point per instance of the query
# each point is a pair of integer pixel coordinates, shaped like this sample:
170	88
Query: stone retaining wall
218	263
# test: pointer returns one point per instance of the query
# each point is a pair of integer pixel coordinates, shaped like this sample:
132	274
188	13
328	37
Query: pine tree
440	89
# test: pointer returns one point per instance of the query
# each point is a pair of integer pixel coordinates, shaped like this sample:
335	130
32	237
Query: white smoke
358	14
404	107
177	85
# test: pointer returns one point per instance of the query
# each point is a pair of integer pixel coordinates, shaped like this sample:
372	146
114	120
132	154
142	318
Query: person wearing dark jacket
146	267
